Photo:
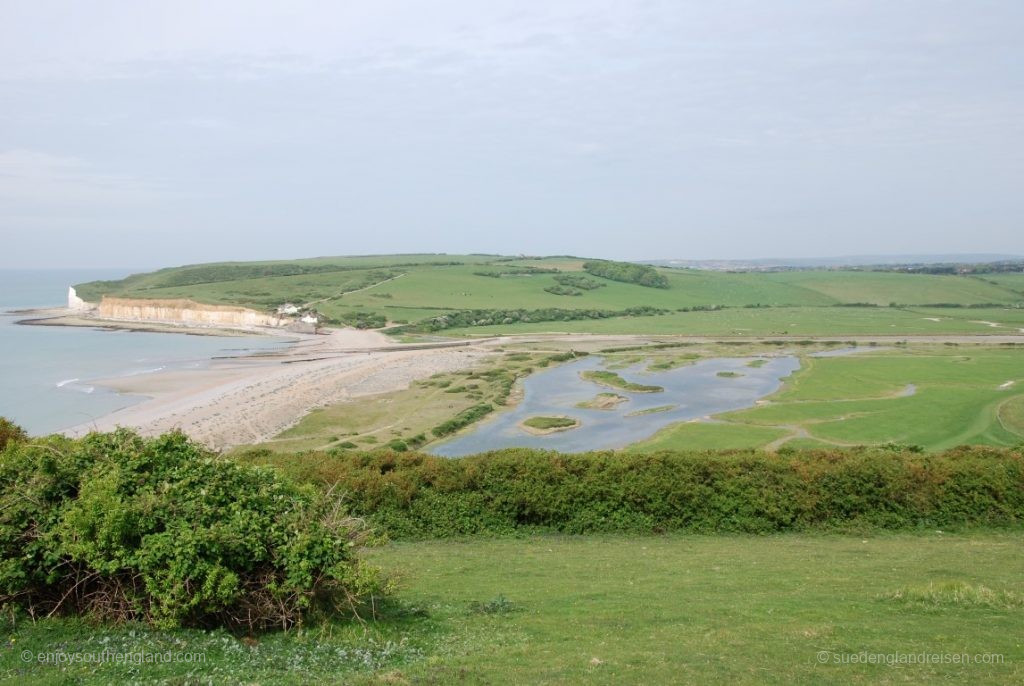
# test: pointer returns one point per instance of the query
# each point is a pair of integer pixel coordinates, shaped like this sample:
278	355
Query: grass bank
615	610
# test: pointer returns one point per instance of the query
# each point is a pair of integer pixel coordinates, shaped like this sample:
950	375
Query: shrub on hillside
120	527
462	419
627	272
10	433
416	496
463	318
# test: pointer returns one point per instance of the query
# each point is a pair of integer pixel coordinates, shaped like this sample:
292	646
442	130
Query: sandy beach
242	400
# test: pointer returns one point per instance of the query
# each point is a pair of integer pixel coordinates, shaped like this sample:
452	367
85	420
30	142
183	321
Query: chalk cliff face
184	312
76	303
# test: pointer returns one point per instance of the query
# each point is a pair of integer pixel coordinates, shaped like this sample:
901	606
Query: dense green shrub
627	272
364	320
124	528
10	433
578	281
414	495
462	419
562	290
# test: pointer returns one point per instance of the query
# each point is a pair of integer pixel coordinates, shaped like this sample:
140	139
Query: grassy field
412	288
783	321
787	609
933	396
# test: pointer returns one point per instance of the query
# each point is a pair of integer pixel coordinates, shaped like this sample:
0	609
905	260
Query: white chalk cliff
76	303
184	312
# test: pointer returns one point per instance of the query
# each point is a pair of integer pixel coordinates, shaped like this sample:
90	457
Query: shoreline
62	316
247	399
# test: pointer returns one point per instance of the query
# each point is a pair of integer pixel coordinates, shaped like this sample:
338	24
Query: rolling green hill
408	289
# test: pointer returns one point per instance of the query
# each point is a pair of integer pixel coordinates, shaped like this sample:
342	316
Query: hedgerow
118	527
413	495
462	318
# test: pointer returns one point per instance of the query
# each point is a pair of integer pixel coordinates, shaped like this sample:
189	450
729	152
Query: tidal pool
695	390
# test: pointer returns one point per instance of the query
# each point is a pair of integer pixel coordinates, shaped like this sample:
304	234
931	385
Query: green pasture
783	609
410	288
934	396
777	321
883	288
1010	281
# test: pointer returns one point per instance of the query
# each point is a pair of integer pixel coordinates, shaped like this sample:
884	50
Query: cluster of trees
562	290
578	281
463	318
572	284
627	272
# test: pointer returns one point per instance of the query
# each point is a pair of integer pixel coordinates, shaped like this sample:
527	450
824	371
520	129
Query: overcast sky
144	133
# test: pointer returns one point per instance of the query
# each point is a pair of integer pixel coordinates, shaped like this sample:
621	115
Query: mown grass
616	610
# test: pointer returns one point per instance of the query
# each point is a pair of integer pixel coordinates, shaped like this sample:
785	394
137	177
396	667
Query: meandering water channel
694	391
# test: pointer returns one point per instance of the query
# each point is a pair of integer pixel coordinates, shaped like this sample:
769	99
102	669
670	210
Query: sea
48	373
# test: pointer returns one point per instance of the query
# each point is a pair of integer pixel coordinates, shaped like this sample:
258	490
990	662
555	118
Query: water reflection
695	390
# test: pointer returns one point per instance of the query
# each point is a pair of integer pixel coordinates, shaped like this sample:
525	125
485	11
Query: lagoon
695	391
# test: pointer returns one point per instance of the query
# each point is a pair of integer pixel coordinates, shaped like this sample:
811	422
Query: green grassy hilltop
482	294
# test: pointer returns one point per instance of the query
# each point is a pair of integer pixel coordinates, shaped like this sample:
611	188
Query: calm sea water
47	372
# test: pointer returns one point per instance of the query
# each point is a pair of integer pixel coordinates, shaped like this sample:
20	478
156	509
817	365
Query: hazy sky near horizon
151	133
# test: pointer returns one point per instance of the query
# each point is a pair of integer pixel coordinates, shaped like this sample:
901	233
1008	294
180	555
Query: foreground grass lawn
618	610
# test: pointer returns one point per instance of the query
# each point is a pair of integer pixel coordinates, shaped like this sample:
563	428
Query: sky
149	134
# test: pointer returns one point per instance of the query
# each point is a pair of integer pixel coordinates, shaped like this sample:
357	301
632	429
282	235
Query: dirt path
344	293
